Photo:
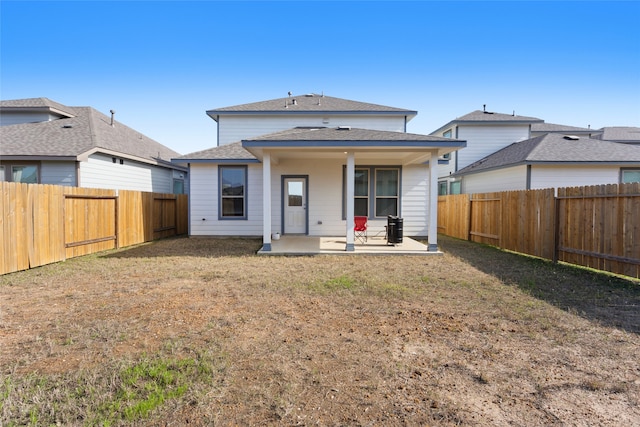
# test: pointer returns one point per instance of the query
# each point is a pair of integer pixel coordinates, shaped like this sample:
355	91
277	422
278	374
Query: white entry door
295	206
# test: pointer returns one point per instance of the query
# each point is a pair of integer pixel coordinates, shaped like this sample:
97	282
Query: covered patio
315	245
292	154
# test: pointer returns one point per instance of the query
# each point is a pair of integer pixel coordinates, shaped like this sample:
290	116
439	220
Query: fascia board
26	157
83	157
354	144
217	114
220	161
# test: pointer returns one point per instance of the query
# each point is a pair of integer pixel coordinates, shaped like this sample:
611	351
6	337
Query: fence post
556	226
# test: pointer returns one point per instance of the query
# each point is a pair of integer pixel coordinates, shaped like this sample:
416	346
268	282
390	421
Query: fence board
486	214
15	243
41	224
48	225
90	216
453	216
596	226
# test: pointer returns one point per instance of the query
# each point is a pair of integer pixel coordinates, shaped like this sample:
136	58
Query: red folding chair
360	228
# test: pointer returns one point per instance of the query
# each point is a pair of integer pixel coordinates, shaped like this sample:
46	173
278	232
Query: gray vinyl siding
507	179
100	172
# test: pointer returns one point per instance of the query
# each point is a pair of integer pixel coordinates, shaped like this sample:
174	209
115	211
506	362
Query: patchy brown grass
205	332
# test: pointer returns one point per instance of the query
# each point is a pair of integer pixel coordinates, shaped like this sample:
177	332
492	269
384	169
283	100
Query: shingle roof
626	134
552	127
552	148
233	151
76	136
309	103
479	116
488	116
36	103
345	134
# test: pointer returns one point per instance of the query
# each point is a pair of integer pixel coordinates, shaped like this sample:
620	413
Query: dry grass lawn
204	332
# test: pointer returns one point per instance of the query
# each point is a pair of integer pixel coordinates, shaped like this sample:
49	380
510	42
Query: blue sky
162	64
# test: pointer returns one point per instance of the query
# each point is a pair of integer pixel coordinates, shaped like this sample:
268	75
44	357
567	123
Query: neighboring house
552	161
622	134
308	164
485	132
42	141
538	129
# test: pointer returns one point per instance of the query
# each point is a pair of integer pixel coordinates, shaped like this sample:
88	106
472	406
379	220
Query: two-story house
307	165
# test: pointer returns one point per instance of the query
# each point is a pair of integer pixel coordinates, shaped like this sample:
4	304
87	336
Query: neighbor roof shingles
621	134
75	136
36	103
552	148
487	116
552	127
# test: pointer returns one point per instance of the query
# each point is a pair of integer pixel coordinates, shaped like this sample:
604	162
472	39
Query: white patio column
433	203
350	194
266	202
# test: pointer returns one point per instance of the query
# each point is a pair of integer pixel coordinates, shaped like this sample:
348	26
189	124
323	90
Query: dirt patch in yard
474	337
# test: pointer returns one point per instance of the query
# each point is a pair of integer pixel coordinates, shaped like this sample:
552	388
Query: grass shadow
610	300
190	247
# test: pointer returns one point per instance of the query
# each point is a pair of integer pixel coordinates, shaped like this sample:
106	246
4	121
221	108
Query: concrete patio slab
314	245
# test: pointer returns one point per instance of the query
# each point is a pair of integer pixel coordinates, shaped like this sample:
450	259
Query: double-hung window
361	193
233	192
376	191
387	191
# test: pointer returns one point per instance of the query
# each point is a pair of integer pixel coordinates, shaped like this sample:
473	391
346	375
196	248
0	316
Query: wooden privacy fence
42	224
595	226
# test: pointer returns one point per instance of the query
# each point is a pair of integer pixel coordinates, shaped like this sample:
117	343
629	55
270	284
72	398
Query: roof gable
309	104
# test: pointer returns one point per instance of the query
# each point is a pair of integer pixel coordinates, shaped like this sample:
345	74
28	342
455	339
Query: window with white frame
447	134
233	192
2	178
